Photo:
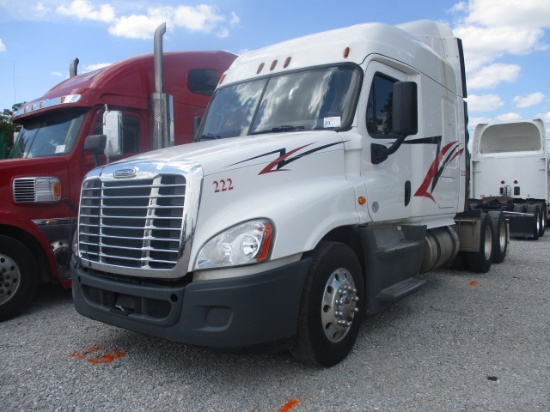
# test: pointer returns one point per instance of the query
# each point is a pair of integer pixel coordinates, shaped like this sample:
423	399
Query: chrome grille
133	223
23	190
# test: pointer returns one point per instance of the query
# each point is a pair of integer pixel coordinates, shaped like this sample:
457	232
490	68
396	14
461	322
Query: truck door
389	182
422	178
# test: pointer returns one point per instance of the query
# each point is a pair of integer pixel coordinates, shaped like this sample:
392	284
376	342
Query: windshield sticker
60	149
332	122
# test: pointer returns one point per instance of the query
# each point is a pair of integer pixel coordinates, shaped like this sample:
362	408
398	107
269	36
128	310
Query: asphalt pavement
464	342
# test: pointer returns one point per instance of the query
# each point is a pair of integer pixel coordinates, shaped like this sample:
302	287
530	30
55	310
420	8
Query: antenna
14	95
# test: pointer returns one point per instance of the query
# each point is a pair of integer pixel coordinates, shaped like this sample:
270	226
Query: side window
379	107
98	124
203	81
130	134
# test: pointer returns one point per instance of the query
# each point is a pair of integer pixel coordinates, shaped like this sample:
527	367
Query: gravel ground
465	342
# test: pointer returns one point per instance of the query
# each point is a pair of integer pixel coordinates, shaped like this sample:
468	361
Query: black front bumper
226	313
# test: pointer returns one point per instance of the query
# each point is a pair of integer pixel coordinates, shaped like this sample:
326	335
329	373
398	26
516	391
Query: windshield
316	99
52	134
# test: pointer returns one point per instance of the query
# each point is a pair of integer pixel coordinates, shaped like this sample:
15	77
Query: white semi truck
329	173
510	172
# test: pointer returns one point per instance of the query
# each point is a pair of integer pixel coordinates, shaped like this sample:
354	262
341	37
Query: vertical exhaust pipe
162	104
73	67
159	69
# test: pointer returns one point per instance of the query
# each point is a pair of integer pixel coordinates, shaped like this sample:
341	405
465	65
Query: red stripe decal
423	189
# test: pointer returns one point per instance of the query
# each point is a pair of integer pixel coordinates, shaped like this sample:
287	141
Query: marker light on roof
260	68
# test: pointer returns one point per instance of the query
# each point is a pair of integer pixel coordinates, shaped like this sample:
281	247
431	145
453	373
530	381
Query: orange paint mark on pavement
85	352
289	405
97	358
473	283
107	357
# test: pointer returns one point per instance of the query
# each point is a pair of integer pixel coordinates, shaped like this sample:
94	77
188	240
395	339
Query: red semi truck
89	119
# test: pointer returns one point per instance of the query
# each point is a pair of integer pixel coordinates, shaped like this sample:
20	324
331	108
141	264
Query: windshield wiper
209	136
287	128
280	129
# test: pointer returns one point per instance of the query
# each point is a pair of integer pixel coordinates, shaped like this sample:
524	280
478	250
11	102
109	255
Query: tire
480	261
535	210
17	277
500	236
542	214
332	306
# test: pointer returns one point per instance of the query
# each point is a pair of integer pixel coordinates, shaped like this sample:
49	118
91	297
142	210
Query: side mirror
404	119
112	129
95	144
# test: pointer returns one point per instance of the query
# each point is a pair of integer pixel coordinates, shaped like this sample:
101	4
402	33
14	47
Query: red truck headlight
36	190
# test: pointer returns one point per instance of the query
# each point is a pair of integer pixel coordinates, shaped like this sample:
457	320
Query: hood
227	154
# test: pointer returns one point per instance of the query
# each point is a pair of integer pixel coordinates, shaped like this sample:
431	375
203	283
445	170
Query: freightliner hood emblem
125	173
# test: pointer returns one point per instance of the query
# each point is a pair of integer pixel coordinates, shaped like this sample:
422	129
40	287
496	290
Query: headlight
249	242
36	190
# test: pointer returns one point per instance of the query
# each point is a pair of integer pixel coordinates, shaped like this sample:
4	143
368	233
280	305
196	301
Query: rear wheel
535	211
17	277
480	260
542	215
500	236
332	304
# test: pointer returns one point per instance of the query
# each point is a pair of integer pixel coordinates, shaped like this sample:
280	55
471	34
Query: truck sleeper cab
340	162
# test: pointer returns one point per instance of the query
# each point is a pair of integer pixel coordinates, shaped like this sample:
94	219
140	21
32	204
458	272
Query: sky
506	42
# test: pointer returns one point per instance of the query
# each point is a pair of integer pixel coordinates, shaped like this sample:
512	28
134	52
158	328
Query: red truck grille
132	223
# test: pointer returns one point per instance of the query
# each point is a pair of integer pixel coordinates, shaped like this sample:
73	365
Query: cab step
401	289
393	257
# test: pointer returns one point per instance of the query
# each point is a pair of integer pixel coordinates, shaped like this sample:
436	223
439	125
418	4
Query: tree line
7	128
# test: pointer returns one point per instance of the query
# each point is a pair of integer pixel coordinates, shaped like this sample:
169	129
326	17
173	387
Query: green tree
7	127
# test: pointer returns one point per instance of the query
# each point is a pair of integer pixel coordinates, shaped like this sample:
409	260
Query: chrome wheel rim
339	305
10	278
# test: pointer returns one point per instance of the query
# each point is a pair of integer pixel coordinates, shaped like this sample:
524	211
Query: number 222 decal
222	185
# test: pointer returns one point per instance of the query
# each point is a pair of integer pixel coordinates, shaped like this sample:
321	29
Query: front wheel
17	277
331	309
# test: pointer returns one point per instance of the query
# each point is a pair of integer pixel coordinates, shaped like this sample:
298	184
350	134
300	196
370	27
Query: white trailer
510	172
329	173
